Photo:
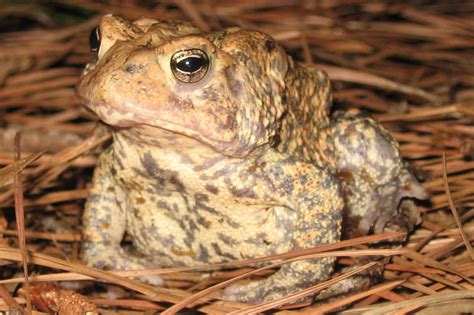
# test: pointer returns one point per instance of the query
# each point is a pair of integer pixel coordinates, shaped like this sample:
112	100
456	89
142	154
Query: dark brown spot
201	197
150	164
345	176
254	167
113	171
136	212
270	45
140	200
230	122
243	193
219	252
177	183
201	204
348	192
203	254
275	141
367	177
226	239
212	189
178	252
284	98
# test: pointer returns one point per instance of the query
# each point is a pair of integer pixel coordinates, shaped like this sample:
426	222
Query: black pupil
190	64
94	40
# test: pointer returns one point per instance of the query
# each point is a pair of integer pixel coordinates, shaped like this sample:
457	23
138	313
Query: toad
223	149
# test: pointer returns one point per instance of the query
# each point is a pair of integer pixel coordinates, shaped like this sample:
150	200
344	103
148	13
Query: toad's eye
190	65
94	39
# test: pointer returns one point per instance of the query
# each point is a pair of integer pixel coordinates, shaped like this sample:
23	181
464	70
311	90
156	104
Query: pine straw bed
409	65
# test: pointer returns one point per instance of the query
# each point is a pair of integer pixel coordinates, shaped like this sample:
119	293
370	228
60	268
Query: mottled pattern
243	163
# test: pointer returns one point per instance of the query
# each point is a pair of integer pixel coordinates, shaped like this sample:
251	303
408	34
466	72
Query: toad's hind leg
376	184
104	226
374	176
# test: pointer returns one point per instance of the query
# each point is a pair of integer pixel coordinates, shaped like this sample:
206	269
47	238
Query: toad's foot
120	259
259	291
357	283
290	279
255	292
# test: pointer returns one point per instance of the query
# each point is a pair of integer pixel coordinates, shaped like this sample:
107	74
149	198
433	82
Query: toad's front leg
314	204
104	226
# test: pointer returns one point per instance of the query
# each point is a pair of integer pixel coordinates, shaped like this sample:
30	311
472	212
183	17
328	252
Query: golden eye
190	65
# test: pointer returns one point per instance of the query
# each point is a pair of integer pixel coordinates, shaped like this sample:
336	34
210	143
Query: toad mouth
119	119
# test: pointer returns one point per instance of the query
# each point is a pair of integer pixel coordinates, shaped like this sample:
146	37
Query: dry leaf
52	299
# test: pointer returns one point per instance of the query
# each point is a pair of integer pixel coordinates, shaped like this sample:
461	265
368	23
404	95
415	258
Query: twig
455	212
20	223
